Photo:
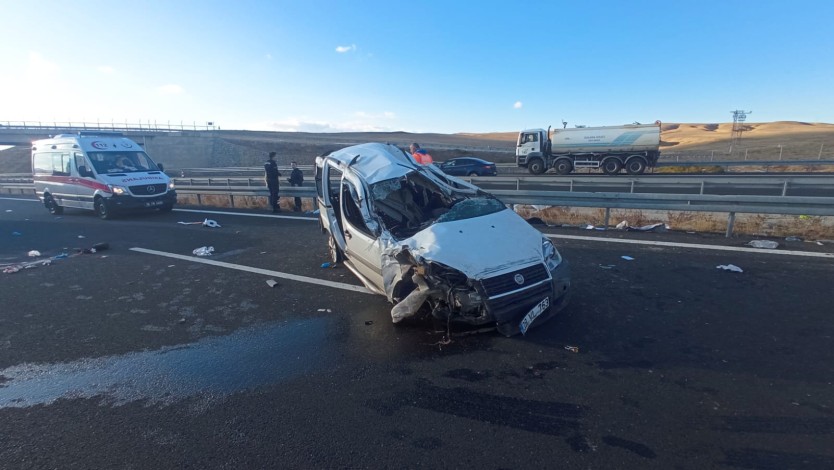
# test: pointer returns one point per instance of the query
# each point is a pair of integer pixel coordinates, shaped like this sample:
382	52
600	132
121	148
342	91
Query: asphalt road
153	359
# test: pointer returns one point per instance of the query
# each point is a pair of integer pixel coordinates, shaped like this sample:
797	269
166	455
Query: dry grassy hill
765	141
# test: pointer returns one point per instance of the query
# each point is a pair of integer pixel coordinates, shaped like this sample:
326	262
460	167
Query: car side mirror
161	168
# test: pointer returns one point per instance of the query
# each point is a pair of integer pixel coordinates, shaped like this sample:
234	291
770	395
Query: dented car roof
375	162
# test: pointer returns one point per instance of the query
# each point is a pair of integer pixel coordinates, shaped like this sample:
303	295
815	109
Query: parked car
469	166
431	242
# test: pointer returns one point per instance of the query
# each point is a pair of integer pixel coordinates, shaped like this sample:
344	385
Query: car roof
375	162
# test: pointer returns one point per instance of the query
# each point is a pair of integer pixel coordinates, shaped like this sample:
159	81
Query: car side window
351	208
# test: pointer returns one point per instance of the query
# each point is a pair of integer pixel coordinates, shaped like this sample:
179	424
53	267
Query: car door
363	247
451	168
83	180
330	209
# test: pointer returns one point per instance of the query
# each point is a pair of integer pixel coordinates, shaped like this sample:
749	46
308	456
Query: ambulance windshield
121	162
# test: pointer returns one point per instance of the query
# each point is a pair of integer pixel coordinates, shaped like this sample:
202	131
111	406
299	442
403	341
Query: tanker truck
634	147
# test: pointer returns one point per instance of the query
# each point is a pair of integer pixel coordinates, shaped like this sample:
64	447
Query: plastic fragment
204	251
272	283
101	246
768	244
607	266
627	258
793	239
325	265
191	223
81	236
573	349
34	253
730	267
16	234
210	223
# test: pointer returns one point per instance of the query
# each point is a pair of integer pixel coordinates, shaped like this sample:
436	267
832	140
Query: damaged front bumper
503	300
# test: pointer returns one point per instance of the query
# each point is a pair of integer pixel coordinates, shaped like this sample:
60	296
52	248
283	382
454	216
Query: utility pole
739	117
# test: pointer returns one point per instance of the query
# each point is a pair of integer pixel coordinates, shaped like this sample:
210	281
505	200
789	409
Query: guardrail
139	126
731	204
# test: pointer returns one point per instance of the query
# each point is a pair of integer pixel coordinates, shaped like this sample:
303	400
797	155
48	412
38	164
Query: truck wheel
52	206
536	166
636	165
102	209
611	166
563	166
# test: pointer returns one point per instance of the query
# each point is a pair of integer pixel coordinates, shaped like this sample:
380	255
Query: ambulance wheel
52	206
102	209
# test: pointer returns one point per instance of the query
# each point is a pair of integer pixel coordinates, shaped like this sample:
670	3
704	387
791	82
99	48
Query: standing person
295	179
271	175
421	156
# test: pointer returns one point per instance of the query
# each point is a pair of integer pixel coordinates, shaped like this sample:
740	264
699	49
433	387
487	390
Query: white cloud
306	125
344	49
518	105
170	89
106	69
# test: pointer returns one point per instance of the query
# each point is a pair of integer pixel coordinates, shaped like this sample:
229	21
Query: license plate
533	314
154	203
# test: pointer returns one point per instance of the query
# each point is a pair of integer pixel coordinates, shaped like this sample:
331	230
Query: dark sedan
468	166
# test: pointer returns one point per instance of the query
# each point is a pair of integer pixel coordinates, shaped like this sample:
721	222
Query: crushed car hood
481	246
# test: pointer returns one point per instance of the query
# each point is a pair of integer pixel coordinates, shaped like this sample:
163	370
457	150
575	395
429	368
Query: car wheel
336	255
536	166
636	165
52	206
563	166
473	174
102	209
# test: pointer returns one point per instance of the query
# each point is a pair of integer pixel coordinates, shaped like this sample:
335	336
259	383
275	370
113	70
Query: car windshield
411	203
121	162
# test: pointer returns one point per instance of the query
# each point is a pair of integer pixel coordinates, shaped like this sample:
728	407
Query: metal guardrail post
607	217
731	220
785	189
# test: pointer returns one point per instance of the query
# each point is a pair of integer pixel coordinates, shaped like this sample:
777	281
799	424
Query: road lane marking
809	254
246	214
267	272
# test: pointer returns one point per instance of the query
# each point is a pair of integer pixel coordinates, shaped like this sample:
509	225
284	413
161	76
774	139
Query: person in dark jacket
271	175
296	179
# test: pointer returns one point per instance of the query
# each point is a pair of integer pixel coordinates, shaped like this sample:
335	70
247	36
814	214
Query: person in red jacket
421	156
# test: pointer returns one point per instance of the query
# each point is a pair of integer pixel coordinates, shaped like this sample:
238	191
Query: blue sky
418	66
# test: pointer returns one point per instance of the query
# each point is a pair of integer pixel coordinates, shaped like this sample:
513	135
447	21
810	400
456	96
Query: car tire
52	206
473	174
336	255
611	166
636	165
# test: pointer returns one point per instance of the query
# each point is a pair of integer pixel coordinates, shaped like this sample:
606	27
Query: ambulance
101	171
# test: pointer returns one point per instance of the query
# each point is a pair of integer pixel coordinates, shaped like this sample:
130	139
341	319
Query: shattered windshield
472	207
411	203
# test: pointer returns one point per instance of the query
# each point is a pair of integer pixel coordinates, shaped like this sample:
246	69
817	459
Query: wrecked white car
430	241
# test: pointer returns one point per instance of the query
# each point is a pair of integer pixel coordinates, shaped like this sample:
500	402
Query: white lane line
267	272
19	199
810	254
245	214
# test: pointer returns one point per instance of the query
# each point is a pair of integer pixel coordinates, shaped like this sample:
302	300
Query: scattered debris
627	258
272	283
730	267
573	349
16	234
324	310
819	243
210	223
768	244
793	239
325	265
8	210
369	322
190	223
644	228
607	266
204	251
34	253
181	321
622	225
101	246
594	227
81	236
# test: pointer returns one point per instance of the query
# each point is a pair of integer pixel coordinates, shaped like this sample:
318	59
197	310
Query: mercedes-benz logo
519	279
151	189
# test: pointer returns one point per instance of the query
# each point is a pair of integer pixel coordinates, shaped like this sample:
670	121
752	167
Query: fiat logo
152	189
519	279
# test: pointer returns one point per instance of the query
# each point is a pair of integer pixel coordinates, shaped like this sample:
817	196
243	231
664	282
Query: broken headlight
551	255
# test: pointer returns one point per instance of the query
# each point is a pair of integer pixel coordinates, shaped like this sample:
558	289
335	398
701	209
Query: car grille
506	298
145	189
506	282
